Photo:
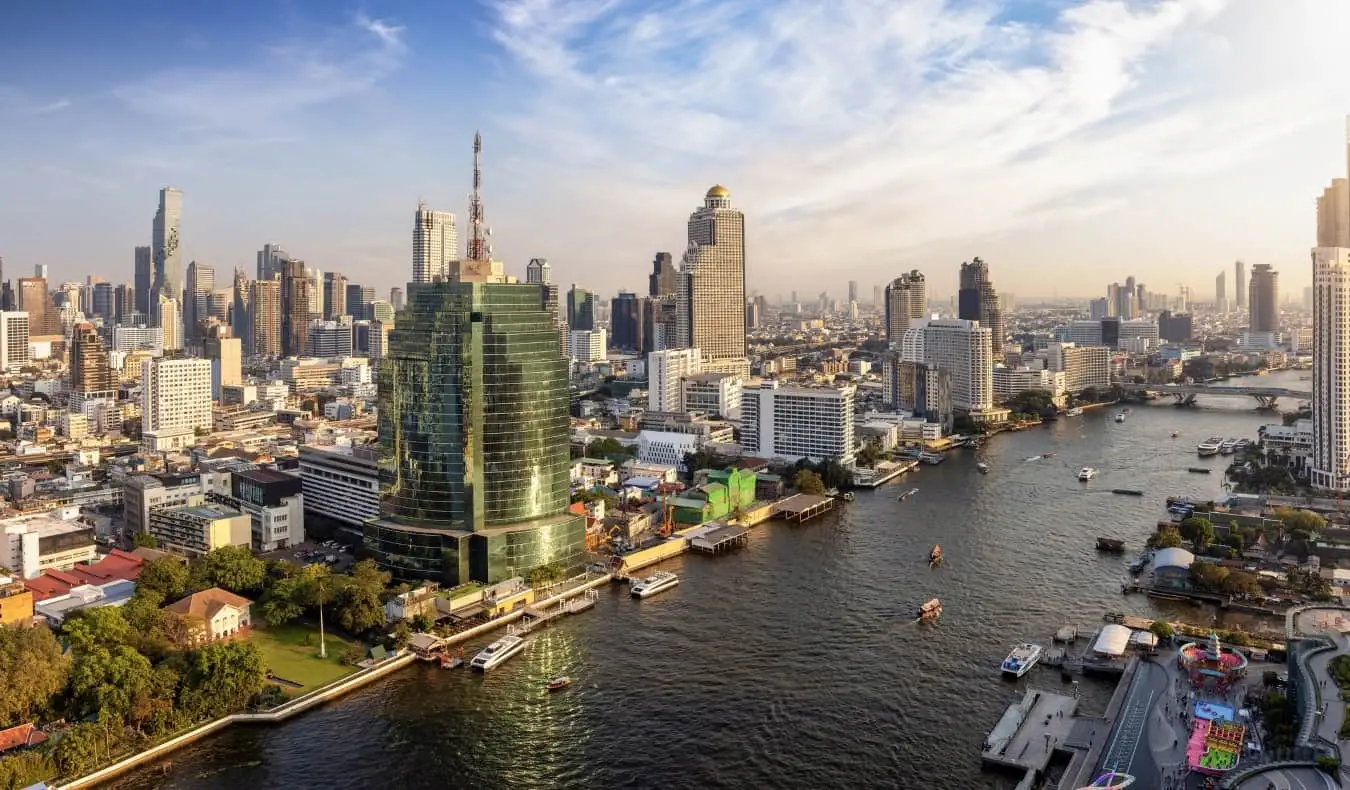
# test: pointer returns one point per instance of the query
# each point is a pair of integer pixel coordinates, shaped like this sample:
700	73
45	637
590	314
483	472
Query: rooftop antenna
478	243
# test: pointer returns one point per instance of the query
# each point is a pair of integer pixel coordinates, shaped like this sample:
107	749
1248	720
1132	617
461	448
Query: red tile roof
118	565
207	603
22	735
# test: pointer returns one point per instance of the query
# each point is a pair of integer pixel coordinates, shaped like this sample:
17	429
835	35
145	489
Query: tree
222	678
1241	583
701	459
1162	629
79	748
105	626
357	599
283	601
33	671
105	681
1303	520
168	575
145	540
868	454
401	634
233	568
1208	577
1199	531
1164	539
808	482
1033	402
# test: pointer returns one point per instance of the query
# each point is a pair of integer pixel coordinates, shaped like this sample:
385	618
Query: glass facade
473	422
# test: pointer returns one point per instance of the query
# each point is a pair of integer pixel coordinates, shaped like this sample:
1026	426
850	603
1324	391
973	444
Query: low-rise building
274	501
591	472
30	545
16	602
194	530
212	614
116	565
55	610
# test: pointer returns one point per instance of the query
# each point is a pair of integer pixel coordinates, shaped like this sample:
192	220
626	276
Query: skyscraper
906	298
1240	284
358	296
978	301
270	258
144	279
1220	292
334	296
435	244
580	309
473	424
395	298
665	278
1333	215
164	243
627	318
711	303
14	341
1264	299
91	378
297	300
853	290
1331	359
539	273
169	317
35	300
265	318
963	347
201	282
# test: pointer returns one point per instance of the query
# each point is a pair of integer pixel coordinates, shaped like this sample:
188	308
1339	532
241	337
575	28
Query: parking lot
333	553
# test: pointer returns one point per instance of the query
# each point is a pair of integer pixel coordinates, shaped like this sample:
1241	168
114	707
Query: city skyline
1074	126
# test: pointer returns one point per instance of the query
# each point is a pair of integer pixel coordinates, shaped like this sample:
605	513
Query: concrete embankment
318	697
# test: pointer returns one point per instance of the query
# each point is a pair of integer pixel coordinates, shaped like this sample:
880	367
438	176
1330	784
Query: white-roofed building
1112	641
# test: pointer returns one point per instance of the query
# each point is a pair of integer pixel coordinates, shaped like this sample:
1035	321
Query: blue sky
1068	142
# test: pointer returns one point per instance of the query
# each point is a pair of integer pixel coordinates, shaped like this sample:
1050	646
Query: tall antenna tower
479	250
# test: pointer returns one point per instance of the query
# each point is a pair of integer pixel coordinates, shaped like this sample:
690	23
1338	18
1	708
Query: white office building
793	422
1085	333
175	402
30	545
1009	382
340	483
1139	335
1084	367
1330	467
587	345
14	352
435	244
964	348
911	341
665	372
716	394
667	448
134	338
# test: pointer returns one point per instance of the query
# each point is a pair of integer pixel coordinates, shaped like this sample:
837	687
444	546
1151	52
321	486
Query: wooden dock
801	507
535	618
720	539
1031	731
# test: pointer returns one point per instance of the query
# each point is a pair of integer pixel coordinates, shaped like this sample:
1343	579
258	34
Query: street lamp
323	646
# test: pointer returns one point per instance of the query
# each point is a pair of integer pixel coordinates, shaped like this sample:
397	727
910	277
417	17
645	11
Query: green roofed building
473	423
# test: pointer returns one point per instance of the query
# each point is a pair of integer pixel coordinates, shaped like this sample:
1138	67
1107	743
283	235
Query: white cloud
16	102
851	129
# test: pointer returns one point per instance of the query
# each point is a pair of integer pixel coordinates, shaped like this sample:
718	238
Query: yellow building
198	528
16	602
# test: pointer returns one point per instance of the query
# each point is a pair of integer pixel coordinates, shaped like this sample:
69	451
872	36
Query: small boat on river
911	492
559	683
982	467
935	556
930	611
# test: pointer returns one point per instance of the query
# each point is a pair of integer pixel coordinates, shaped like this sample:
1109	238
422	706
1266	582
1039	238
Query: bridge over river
1185	394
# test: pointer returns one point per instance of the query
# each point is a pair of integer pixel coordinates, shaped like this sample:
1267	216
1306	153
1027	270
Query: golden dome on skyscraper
718	191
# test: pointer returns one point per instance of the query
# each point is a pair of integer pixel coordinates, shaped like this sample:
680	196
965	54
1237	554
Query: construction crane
667	508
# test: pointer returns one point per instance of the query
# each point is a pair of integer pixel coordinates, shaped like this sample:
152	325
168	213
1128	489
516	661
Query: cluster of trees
609	449
1031	405
807	481
125	678
868	455
1209	577
831	472
353	600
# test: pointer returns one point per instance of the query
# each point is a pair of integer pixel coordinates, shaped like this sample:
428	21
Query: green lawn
292	652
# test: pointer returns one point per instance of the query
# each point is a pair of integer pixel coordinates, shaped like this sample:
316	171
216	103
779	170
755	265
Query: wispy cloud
15	102
895	123
271	90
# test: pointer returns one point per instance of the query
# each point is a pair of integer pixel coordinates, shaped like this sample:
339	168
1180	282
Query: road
1290	779
1128	747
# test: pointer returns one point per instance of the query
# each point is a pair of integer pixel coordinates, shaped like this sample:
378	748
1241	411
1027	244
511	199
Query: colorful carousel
1211	663
1111	780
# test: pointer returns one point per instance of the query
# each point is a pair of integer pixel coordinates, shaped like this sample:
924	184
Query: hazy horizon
1161	140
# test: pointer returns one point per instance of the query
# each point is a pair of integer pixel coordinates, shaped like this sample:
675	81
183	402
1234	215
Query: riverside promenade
558	594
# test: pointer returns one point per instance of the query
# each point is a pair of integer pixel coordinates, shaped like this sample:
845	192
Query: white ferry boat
1120	416
1227	445
1209	446
657	582
1087	473
497	653
1074	412
1241	445
1021	659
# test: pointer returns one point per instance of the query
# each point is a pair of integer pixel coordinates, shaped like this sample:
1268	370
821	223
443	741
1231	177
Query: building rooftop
207	603
267	475
50	526
211	512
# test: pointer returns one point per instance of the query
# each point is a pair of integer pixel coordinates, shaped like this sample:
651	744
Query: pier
801	507
719	539
1031	731
538	617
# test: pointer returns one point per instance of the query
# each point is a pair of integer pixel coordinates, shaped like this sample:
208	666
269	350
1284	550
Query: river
791	662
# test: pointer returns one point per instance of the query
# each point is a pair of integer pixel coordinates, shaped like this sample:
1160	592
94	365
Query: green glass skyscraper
473	423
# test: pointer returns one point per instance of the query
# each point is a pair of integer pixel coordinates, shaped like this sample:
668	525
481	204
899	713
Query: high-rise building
711	311
665	278
853	290
102	299
906	300
169	317
201	283
978	301
334	296
144	279
90	374
964	348
1331	361
539	273
14	339
1264	299
627	321
1240	284
270	258
473	424
164	243
124	302
665	370
35	300
1333	215
297	301
265	318
587	345
175	402
435	244
329	338
358	296
395	298
792	422
241	317
1220	291
580	309
662	316
226	355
